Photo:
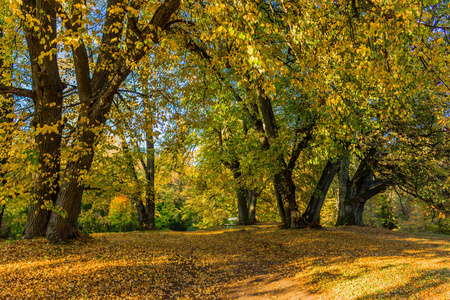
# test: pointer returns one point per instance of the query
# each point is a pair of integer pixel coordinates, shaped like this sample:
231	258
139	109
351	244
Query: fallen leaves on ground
333	263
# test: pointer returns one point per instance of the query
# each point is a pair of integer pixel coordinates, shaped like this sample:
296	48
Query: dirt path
267	287
255	263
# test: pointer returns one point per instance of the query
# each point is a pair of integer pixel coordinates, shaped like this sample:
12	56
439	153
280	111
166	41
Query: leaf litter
257	262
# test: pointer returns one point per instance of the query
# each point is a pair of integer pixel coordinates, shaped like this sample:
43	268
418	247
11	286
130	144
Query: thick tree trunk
63	223
286	188
351	213
311	217
63	226
48	100
242	206
356	192
47	179
97	96
6	106
145	222
252	197
280	206
241	191
352	209
344	179
283	183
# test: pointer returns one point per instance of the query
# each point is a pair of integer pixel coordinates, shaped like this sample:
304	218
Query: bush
170	216
92	221
14	221
122	215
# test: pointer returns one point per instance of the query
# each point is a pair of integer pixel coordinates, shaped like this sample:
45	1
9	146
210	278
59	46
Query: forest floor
248	263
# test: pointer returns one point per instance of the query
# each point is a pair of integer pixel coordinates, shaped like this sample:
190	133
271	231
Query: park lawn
332	263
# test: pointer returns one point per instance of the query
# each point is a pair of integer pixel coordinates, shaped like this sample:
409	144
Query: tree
144	194
311	216
355	192
6	120
125	38
313	75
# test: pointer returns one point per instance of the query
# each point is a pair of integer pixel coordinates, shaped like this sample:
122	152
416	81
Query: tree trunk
344	178
6	107
252	197
63	223
1	215
311	217
243	213
282	179
96	96
48	89
356	192
351	213
280	206
283	182
145	222
241	191
286	188
149	221
143	215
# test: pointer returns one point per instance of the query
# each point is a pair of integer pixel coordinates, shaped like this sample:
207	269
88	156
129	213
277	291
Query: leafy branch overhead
260	110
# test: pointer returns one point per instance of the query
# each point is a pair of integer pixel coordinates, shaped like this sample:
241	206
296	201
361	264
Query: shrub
122	214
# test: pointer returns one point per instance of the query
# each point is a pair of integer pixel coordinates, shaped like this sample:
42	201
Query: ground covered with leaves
260	262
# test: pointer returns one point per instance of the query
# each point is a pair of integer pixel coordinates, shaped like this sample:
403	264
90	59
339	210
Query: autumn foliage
336	263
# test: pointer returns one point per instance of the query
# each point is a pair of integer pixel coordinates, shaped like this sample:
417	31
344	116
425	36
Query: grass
333	263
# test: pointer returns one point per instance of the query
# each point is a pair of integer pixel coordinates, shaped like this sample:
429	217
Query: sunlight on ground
261	262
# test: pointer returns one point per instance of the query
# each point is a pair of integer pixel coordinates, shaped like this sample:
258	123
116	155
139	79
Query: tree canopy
209	104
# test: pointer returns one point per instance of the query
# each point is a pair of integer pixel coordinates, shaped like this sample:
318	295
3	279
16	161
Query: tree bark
1	215
311	217
351	213
6	107
357	191
242	206
148	222
252	197
241	192
48	99
280	206
97	96
136	196
283	183
286	188
344	179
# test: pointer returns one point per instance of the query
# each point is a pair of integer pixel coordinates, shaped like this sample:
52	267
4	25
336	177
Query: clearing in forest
257	262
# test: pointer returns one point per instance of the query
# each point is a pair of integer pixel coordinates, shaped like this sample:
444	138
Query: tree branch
435	26
300	144
16	91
